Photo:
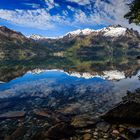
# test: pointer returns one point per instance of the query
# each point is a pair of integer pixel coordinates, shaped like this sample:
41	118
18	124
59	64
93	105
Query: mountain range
85	43
91	51
111	31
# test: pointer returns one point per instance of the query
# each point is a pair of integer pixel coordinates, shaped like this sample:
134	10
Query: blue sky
57	17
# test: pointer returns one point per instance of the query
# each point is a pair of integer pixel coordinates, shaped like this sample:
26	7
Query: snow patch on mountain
36	37
39	37
114	32
86	31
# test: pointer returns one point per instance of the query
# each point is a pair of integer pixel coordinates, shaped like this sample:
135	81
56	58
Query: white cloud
101	12
51	4
33	5
31	18
80	2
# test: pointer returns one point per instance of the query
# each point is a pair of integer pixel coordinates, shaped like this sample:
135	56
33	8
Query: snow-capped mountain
114	31
86	31
40	37
36	37
111	31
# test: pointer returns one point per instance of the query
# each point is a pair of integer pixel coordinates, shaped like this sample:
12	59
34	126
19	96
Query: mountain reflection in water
95	94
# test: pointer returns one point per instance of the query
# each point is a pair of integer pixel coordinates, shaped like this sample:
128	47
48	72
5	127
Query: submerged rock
53	117
128	112
103	126
60	131
5	105
13	114
138	57
87	136
134	132
42	113
17	134
83	121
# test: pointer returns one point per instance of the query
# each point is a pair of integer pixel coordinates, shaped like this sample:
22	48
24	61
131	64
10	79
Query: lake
59	90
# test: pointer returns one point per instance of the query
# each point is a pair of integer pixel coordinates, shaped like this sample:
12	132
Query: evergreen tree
134	14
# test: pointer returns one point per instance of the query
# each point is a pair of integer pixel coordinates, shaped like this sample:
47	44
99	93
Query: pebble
105	136
122	126
87	136
103	126
115	132
121	129
95	133
87	130
95	137
96	129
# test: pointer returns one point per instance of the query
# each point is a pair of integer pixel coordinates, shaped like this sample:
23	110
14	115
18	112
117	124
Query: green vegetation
134	14
91	53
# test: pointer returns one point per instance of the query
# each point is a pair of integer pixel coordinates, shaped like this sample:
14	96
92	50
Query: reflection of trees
81	63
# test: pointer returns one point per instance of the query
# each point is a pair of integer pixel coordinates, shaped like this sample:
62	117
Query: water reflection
61	89
79	83
70	91
123	65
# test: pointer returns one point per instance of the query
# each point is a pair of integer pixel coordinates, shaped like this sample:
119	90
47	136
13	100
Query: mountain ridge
110	31
113	40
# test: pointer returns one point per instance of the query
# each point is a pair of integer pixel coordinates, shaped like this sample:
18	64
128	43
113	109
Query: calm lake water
37	94
80	92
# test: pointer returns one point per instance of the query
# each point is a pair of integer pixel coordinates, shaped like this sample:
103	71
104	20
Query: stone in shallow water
87	136
83	121
121	129
42	113
95	133
138	57
5	105
115	132
134	132
13	114
128	112
103	126
60	131
17	134
54	117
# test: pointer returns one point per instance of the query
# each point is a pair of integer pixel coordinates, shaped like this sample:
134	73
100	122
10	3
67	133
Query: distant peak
85	31
110	31
36	37
7	31
114	31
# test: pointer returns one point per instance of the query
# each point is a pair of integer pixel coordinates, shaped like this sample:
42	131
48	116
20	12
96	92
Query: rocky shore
44	123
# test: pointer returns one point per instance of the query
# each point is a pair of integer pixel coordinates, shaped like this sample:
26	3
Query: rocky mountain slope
11	35
15	45
113	40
